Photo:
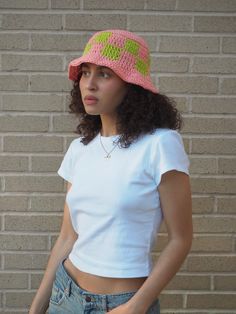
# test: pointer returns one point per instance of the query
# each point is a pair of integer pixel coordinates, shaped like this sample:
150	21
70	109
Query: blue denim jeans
68	297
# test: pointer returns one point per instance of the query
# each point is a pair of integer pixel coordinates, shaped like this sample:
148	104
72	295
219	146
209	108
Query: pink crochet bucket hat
124	52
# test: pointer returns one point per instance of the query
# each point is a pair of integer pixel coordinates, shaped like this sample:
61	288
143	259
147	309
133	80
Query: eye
104	74
85	72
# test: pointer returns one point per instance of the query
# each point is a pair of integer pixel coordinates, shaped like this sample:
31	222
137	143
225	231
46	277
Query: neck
108	125
106	134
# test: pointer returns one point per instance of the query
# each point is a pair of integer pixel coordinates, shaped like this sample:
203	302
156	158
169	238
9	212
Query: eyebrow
100	67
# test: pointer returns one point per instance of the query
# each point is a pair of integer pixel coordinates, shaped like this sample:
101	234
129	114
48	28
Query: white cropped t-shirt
114	203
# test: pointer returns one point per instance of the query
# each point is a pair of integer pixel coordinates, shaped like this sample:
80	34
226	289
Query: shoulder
164	132
76	143
74	147
166	135
167	140
160	136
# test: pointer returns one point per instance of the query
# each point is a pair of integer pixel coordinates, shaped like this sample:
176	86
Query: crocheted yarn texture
124	52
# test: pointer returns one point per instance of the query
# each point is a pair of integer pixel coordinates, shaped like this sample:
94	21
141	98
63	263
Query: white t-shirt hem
108	271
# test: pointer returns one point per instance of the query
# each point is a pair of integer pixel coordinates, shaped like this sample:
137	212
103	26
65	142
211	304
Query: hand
125	309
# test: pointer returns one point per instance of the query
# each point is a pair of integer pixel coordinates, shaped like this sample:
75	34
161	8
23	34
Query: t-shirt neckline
109	137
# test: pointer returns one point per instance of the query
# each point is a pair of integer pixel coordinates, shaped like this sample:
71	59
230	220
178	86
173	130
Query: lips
90	100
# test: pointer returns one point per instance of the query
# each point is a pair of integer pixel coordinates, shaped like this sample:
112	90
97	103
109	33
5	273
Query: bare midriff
102	285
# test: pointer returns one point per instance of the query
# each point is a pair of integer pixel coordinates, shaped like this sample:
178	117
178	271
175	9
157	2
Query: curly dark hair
140	112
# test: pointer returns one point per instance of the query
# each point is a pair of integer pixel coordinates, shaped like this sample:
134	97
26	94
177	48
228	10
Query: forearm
169	262
40	302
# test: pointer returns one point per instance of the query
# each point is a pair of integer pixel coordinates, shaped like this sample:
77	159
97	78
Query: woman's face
101	89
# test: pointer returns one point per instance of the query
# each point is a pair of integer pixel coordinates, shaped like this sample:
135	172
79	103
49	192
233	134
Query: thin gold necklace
108	154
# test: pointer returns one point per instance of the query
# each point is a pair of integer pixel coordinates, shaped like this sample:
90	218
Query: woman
126	172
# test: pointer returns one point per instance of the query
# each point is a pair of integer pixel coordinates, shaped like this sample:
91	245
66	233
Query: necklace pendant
107	156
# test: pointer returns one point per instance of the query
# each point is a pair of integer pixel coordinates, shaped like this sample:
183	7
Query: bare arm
61	249
175	197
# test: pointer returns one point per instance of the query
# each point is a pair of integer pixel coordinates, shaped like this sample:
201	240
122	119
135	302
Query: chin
93	113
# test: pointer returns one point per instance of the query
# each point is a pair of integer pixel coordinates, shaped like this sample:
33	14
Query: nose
91	82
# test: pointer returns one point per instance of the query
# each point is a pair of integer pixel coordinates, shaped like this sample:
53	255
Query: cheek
117	92
81	85
121	92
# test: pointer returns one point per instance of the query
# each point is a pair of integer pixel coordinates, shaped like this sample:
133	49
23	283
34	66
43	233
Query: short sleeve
167	154
66	167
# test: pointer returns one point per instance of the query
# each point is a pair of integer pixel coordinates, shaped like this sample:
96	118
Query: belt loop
68	288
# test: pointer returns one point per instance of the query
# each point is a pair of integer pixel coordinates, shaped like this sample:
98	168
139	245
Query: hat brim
74	70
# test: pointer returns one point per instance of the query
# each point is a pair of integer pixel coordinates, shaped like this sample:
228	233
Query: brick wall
193	47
